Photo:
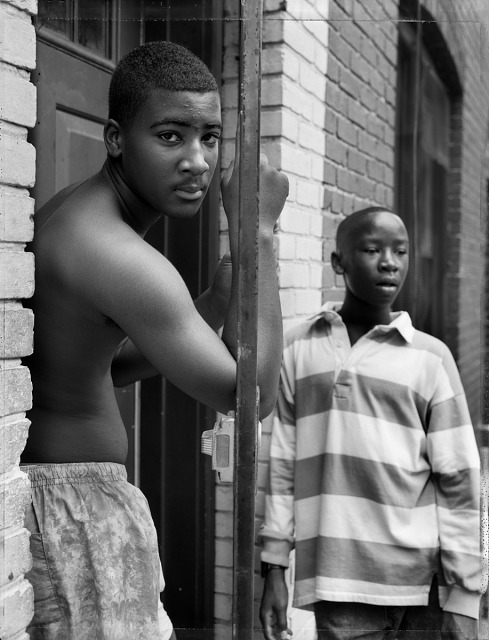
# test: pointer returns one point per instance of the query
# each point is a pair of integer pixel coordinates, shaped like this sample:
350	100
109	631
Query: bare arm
273	192
129	364
143	293
273	607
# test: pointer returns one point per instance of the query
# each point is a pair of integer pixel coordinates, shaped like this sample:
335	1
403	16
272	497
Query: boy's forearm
213	303
269	320
211	312
129	365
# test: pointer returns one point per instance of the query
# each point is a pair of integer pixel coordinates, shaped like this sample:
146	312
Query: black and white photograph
244	319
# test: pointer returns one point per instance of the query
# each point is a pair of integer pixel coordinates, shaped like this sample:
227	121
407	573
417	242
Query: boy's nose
194	161
388	263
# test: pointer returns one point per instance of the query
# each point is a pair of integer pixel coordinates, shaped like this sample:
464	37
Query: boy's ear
112	138
336	263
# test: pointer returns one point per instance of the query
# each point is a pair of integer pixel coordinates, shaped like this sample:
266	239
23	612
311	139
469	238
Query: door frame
49	100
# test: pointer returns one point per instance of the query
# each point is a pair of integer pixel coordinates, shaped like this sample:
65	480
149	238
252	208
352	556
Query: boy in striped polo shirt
374	468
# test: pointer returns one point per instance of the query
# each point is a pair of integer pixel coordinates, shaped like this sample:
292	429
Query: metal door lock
219	443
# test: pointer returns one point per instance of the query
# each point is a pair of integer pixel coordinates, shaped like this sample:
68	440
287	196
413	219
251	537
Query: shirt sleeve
454	458
276	535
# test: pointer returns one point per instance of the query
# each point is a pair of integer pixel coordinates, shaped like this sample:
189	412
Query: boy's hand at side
273	608
455	626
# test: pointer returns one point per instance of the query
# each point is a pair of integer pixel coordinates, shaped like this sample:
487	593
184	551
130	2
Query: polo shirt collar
400	320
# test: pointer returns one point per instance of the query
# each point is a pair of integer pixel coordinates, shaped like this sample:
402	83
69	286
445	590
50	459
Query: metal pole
247	400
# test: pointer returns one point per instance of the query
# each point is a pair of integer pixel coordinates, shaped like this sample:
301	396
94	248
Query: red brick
17	608
16	394
338	47
331	121
333	70
329	172
347	131
335	98
366	143
349	83
356	161
356	113
336	150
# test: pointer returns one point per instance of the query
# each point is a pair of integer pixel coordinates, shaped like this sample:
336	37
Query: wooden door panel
66	86
80	148
72	108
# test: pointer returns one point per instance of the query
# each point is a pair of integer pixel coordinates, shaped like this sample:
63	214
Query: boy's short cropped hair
351	223
155	65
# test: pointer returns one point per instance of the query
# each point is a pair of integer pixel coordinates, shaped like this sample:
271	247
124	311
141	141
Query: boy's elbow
268	381
267	404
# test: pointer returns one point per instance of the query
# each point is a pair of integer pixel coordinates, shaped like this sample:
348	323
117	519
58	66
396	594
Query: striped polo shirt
374	468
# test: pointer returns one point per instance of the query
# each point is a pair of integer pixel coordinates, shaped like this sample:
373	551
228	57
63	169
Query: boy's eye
211	139
370	250
169	136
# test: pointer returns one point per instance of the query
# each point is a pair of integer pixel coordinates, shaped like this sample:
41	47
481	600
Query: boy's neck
360	317
136	213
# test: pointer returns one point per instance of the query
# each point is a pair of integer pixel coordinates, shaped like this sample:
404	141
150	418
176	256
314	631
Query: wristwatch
266	567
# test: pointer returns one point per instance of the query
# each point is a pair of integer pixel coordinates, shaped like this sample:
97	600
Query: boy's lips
388	284
190	191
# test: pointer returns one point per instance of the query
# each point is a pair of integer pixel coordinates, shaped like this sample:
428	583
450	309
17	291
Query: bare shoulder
87	249
93	266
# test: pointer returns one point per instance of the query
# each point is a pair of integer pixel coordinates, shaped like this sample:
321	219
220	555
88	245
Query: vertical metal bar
247	401
137	433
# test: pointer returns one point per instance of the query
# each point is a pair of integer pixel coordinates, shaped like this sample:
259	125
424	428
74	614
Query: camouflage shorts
96	572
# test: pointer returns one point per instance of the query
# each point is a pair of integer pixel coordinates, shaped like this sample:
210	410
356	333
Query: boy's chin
182	215
183	211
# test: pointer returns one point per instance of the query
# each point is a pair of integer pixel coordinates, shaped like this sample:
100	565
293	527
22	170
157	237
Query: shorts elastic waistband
73	472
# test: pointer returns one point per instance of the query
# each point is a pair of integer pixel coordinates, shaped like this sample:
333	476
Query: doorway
78	45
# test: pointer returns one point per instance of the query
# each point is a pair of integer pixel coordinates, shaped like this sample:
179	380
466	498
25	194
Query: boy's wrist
266	567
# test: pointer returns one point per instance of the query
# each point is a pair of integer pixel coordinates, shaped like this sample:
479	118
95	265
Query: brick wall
328	121
360	118
17	162
294	65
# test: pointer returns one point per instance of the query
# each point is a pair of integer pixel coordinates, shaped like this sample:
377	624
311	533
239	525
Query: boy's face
375	261
169	153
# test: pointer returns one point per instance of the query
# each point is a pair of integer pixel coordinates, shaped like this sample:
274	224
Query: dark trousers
352	620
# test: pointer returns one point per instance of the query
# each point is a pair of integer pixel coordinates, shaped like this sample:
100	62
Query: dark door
78	45
76	53
183	499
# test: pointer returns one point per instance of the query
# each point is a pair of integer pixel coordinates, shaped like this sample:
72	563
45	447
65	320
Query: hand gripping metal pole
247	397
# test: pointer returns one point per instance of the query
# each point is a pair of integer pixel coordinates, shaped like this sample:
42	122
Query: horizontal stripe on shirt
373	445
378	594
340	558
344	475
363	437
308	591
363	519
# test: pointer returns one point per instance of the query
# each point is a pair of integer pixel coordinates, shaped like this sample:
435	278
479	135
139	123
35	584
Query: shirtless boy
109	309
